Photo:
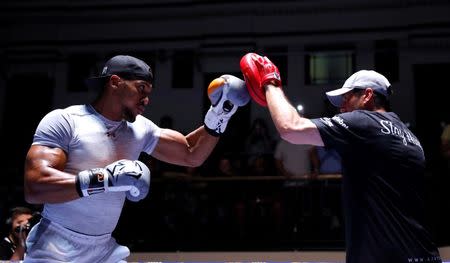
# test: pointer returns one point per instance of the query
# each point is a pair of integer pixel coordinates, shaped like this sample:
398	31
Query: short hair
16	211
20	210
381	101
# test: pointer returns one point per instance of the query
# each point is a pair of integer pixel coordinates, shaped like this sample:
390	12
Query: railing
194	213
184	176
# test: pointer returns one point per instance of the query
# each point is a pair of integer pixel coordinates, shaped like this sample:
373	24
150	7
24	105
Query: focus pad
252	78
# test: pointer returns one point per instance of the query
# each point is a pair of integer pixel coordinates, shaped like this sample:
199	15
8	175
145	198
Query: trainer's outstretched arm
263	80
290	125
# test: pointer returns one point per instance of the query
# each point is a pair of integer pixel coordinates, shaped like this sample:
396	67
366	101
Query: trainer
382	162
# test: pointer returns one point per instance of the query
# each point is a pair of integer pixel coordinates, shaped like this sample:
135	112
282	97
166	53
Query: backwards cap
361	80
126	67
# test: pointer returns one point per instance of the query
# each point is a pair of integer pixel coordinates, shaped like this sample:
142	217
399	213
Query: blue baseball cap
361	80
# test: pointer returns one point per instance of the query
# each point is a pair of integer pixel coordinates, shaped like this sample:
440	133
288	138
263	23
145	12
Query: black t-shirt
7	249
383	178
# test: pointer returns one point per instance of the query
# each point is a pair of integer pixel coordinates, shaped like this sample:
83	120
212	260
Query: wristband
89	182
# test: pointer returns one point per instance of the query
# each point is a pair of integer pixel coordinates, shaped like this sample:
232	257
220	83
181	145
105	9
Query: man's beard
128	115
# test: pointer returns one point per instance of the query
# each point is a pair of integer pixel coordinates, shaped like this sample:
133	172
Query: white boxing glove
226	94
132	177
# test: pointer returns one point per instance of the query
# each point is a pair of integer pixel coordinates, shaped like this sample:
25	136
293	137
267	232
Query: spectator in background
263	206
292	159
445	147
12	246
445	157
225	166
259	140
192	171
325	160
259	148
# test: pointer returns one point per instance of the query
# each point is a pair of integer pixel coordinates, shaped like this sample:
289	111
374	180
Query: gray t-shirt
92	141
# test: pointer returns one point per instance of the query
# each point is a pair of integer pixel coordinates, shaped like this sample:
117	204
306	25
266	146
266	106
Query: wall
220	32
41	37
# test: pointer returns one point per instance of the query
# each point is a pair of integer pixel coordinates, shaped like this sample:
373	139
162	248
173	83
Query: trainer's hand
259	71
132	177
226	94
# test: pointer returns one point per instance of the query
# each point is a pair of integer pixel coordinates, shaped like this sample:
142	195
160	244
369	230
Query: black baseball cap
124	66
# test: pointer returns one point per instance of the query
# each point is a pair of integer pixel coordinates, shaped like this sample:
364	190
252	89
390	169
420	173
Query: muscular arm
290	125
191	150
226	94
45	181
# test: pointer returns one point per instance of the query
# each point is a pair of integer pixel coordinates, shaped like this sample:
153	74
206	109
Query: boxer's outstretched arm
191	150
226	94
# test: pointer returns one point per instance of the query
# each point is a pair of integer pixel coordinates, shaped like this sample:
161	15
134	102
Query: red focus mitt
259	71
